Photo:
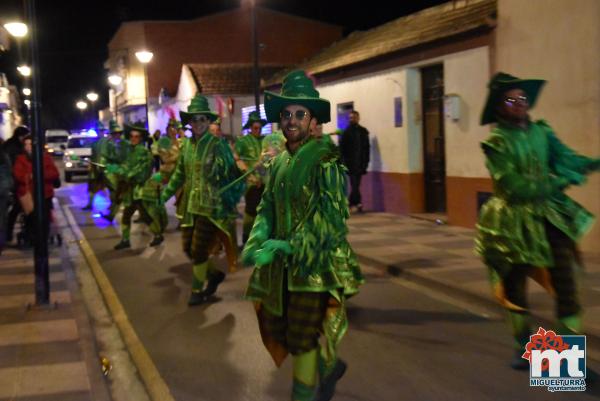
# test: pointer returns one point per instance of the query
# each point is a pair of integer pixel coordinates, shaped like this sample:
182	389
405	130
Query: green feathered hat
136	126
113	127
199	105
254	117
299	89
502	82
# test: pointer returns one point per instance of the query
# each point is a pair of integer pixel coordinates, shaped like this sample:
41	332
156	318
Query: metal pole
255	73
146	92
42	284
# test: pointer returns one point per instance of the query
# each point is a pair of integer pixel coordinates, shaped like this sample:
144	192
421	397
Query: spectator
355	149
12	148
6	185
23	174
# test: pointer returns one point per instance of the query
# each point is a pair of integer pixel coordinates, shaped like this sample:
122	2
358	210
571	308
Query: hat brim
116	131
531	87
129	128
185	116
274	103
249	123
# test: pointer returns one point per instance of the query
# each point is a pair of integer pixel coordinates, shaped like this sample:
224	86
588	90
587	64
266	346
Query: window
267	129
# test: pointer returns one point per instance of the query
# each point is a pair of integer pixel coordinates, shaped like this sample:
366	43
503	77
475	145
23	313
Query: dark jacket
13	148
355	149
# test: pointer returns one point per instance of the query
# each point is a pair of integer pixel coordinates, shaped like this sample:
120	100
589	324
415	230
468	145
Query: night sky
73	37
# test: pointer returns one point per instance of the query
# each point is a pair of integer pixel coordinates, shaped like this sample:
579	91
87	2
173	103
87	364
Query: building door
432	85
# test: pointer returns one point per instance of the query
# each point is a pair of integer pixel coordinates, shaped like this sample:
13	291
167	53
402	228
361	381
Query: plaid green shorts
198	240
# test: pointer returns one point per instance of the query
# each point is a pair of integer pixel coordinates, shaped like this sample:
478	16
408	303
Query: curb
450	289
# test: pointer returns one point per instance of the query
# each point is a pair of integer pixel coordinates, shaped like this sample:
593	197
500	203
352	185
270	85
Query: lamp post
115	80
144	57
92	97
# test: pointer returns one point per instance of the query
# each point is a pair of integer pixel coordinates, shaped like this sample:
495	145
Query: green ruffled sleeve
565	162
223	171
139	166
512	183
324	228
262	228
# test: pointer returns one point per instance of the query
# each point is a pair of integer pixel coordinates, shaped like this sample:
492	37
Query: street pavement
407	340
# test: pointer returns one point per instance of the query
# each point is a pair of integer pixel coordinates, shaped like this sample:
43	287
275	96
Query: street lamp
114	79
16	29
81	105
144	57
27	91
25	70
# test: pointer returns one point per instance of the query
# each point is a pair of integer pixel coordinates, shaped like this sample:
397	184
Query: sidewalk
442	256
49	353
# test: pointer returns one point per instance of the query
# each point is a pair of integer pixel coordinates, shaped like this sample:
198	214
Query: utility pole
255	72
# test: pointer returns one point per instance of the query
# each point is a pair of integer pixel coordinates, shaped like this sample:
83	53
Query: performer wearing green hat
248	149
96	178
529	227
134	171
305	268
113	151
204	168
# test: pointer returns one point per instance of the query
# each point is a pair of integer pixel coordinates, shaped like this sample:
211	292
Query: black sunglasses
511	101
299	114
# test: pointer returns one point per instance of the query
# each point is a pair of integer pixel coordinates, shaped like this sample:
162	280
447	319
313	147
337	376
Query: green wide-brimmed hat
113	127
174	123
502	82
136	126
254	117
199	105
299	89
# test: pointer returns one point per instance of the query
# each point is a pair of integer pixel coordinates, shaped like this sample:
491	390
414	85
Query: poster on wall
398	111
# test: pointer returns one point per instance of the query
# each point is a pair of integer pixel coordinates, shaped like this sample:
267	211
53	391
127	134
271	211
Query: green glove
278	245
163	199
264	257
157	177
113	169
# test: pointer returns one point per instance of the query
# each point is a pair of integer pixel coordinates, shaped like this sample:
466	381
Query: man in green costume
305	268
248	149
113	151
529	227
134	172
205	169
96	178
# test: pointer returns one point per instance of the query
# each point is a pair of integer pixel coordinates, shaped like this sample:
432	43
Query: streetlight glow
114	79
27	102
27	91
25	70
16	29
144	56
92	96
81	105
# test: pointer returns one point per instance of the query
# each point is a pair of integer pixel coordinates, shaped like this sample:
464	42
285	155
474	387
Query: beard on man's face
295	131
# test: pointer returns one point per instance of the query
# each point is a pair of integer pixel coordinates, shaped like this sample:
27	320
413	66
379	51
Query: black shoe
327	383
87	207
518	363
107	217
213	282
196	298
157	240
123	244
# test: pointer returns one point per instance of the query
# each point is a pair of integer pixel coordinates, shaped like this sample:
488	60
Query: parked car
77	154
56	139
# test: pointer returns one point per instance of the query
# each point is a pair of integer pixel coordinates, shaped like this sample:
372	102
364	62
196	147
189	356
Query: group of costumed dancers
296	208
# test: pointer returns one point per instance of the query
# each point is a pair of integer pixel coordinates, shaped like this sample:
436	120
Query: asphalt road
405	342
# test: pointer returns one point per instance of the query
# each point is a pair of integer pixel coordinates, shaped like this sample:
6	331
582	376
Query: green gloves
157	177
163	199
266	254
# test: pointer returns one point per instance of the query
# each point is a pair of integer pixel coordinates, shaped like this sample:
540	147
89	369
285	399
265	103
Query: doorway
434	157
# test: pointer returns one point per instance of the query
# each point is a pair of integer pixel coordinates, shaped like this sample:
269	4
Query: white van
54	139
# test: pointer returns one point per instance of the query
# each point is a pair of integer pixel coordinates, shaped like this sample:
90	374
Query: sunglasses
200	119
299	114
511	101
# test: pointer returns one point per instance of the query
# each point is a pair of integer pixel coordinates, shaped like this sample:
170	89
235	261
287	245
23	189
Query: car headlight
68	164
50	150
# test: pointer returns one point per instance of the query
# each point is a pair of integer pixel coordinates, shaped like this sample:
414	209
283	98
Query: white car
56	141
77	154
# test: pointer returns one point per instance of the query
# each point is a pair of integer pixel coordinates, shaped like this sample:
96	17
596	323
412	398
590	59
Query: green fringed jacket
135	170
112	152
249	149
304	202
204	167
530	169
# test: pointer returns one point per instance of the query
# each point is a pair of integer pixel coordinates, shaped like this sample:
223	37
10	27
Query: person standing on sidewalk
356	151
6	185
204	168
529	227
13	148
248	149
305	268
135	171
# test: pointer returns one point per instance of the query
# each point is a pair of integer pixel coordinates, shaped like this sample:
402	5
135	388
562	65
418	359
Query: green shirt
530	169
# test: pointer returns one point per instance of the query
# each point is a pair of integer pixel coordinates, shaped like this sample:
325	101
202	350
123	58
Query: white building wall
559	41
